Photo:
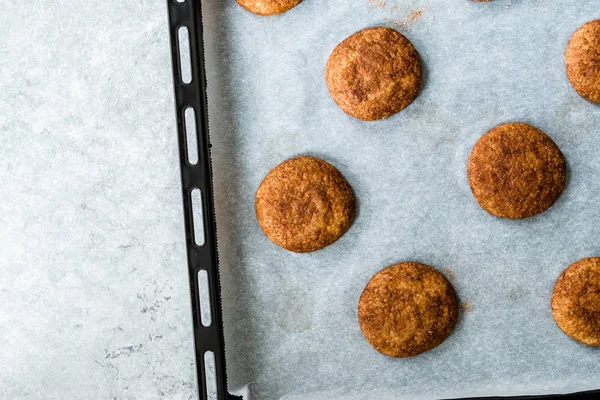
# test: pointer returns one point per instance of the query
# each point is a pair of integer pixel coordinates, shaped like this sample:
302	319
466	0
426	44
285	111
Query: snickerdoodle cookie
268	7
576	301
374	73
583	60
407	309
304	204
515	171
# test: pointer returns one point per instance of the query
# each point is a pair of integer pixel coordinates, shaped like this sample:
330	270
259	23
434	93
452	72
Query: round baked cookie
583	61
268	7
374	73
407	309
515	171
576	301
304	204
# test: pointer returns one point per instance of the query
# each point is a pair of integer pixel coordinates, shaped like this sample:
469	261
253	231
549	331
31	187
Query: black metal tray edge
188	13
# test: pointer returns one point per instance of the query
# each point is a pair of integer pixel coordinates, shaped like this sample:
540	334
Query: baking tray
212	379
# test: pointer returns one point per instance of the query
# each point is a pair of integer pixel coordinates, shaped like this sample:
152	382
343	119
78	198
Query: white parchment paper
290	319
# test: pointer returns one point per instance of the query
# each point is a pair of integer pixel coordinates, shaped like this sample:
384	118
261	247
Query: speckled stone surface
93	281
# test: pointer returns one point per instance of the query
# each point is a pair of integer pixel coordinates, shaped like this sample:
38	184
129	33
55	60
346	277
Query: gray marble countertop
93	286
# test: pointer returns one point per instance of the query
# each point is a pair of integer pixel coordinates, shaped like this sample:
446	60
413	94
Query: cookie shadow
425	79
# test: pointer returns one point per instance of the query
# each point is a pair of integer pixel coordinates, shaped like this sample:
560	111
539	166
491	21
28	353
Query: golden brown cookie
374	73
407	309
583	60
268	7
576	301
304	204
516	171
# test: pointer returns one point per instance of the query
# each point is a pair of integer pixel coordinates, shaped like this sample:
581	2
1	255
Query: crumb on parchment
378	3
394	13
466	306
405	23
449	273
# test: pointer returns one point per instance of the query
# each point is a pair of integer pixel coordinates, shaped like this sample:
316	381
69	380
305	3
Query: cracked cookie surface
516	171
268	7
582	59
304	204
407	309
576	301
374	73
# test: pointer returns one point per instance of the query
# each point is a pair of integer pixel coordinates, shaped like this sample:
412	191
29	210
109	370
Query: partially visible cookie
583	60
515	171
374	73
304	204
407	309
268	7
576	301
